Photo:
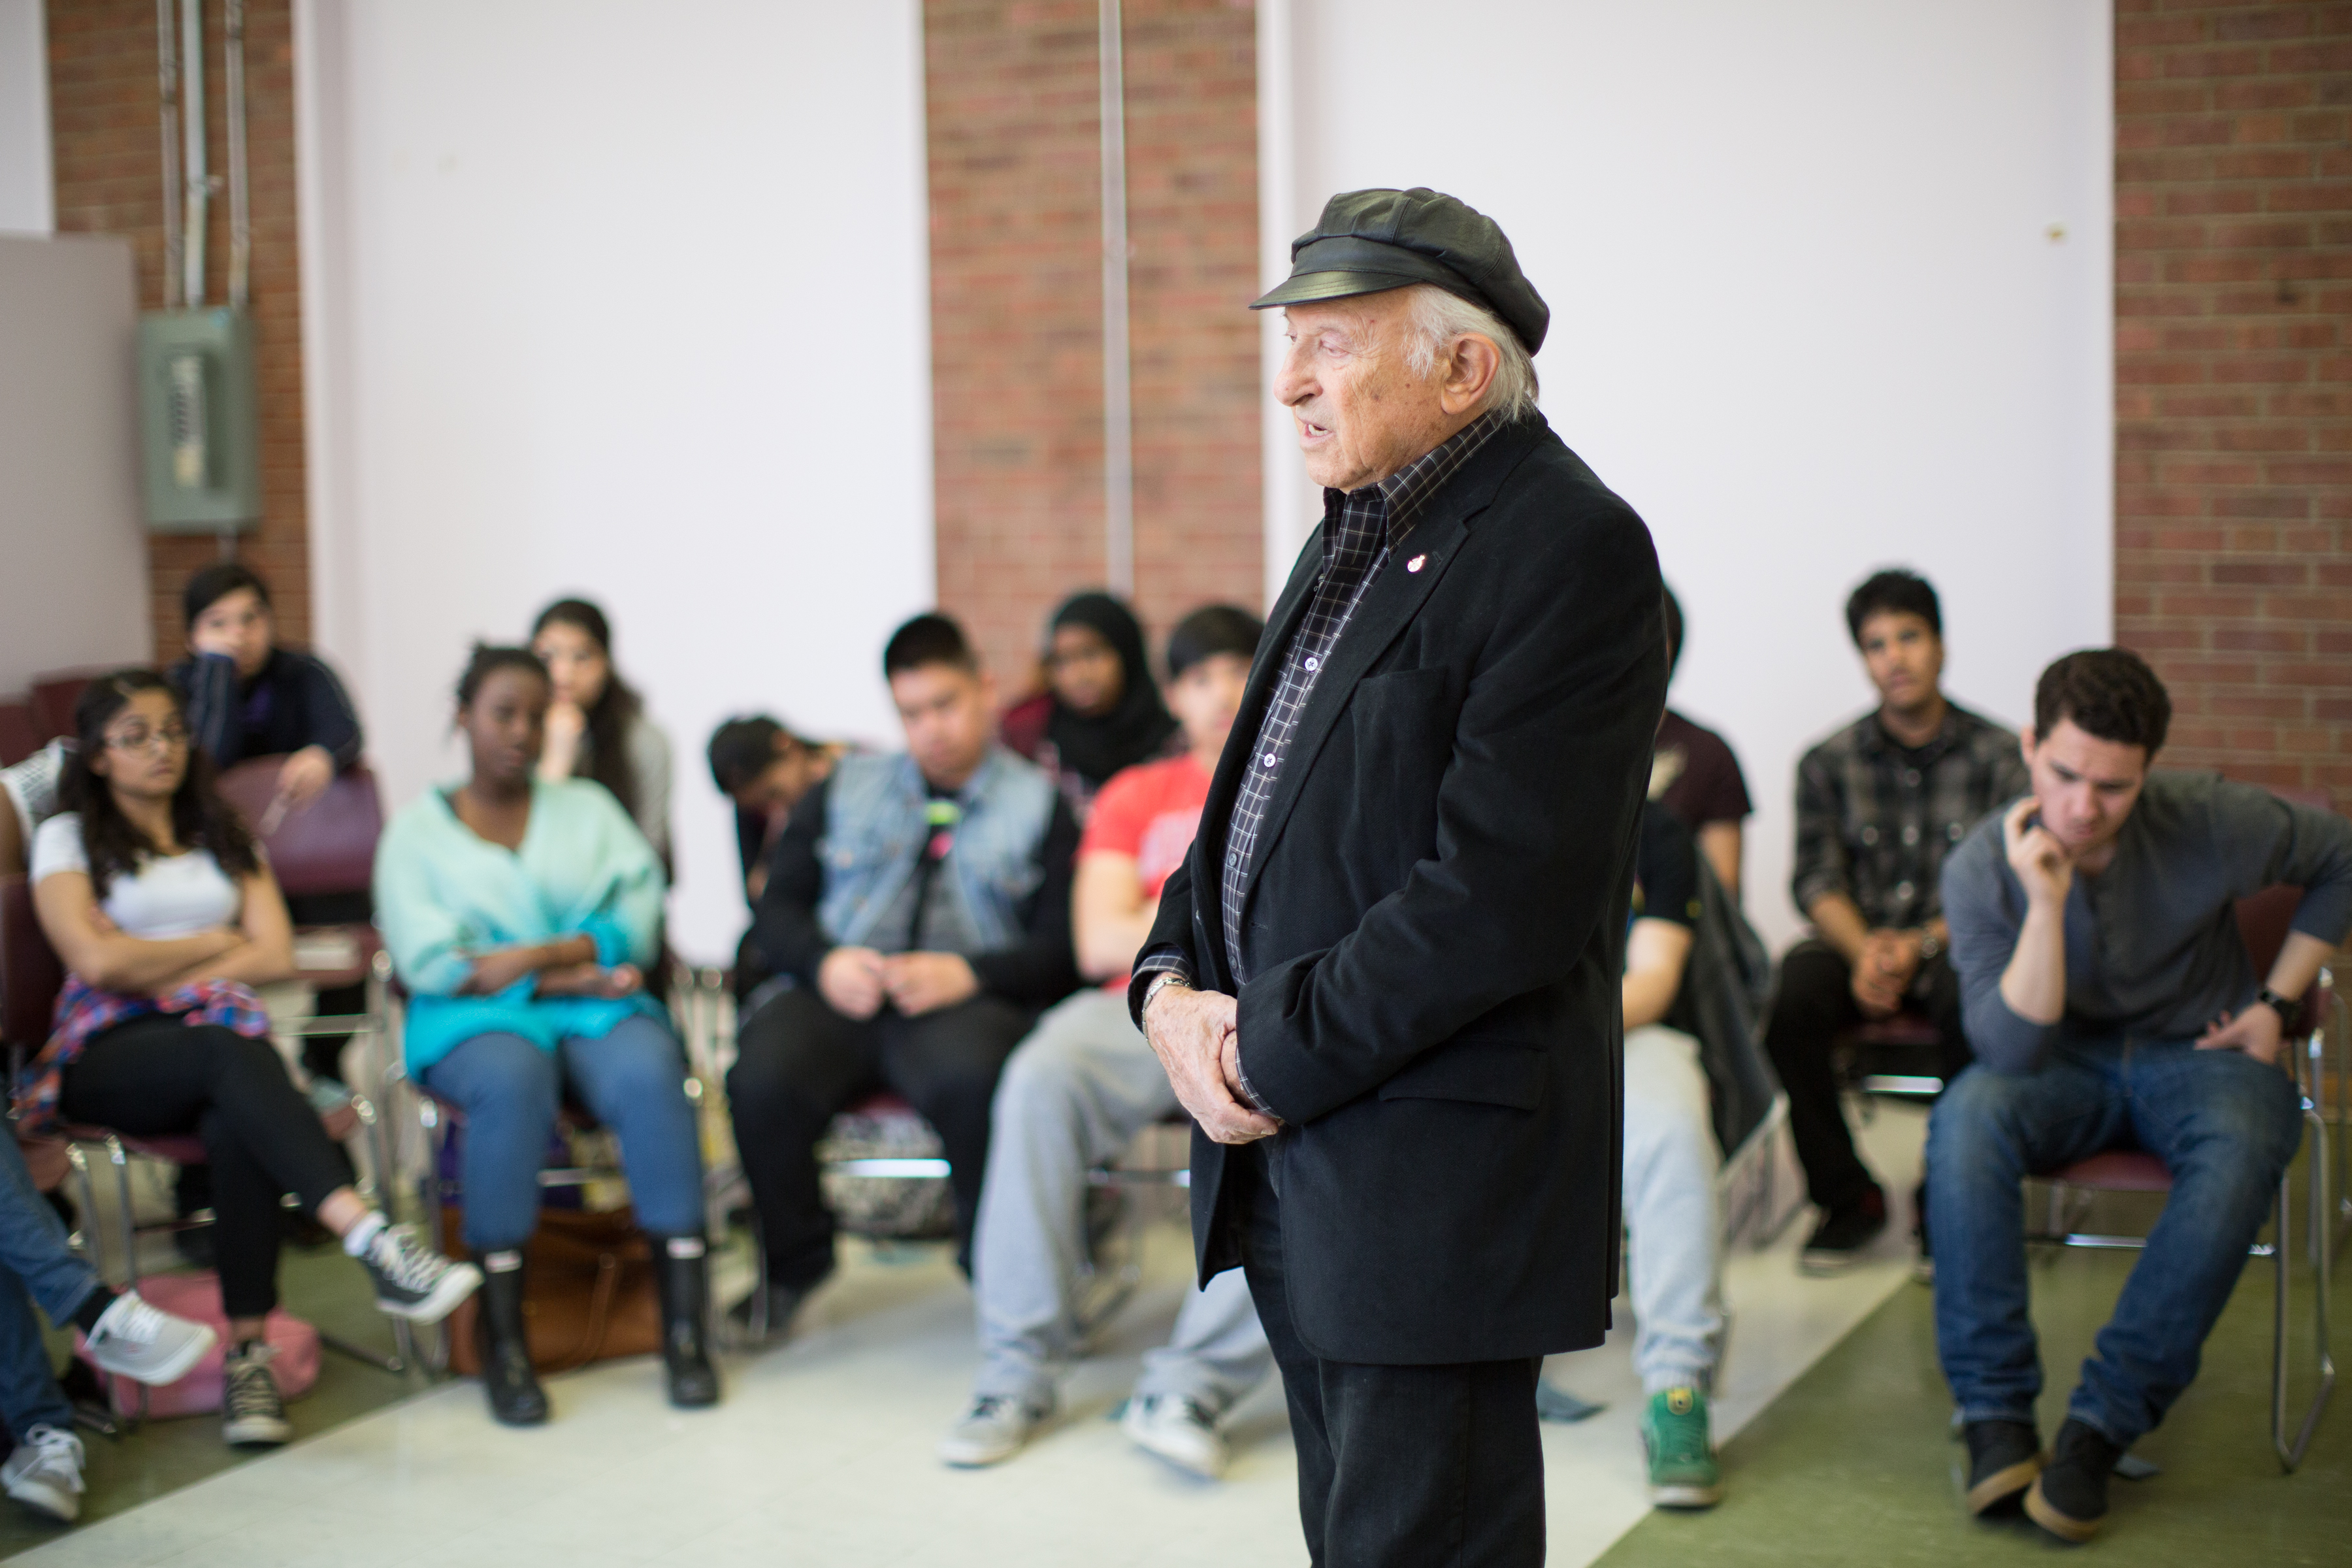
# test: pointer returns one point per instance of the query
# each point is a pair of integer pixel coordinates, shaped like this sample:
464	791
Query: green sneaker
1683	1471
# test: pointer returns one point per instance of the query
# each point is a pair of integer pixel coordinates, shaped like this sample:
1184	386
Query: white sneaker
147	1344
1178	1431
45	1473
992	1430
253	1413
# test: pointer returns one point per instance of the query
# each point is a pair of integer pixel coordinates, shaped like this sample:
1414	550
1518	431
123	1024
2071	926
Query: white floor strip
822	1454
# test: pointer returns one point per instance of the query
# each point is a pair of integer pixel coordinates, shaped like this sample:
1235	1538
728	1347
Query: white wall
1807	313
73	591
626	299
28	189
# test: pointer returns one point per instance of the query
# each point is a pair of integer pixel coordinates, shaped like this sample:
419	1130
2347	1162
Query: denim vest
874	829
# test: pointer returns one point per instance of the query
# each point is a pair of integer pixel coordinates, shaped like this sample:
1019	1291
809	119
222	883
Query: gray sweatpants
1073	1093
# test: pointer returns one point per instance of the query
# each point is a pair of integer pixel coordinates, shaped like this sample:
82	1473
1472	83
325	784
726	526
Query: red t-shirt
1149	811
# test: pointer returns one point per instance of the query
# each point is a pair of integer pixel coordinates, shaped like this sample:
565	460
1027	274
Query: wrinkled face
239	624
948	715
146	752
1905	658
2083	787
1361	412
780	785
1085	670
505	725
1206	698
574	662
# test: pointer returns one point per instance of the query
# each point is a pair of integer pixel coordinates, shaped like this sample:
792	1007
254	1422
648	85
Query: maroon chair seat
20	733
2118	1171
325	846
53	699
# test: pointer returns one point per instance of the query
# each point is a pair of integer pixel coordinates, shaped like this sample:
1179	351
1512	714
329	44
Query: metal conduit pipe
240	220
1118	421
199	178
167	88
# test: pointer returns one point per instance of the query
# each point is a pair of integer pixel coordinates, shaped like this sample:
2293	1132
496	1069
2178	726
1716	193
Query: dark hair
2109	693
615	706
743	748
1673	607
930	638
208	585
1895	590
488	659
1210	631
113	844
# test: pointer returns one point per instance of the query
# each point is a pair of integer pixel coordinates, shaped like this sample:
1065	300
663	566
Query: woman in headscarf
1099	712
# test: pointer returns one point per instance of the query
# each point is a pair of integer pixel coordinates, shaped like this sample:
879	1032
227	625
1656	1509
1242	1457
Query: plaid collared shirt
1875	821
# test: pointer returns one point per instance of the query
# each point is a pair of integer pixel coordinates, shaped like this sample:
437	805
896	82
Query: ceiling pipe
199	179
167	88
1118	419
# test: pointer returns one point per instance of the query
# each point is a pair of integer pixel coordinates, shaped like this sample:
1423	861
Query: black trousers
1814	1005
798	1063
1399	1467
157	1076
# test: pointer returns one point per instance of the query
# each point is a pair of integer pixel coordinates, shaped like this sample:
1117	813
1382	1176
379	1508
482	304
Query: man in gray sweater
2111	1003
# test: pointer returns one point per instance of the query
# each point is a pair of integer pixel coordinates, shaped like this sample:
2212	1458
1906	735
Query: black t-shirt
1694	773
1665	888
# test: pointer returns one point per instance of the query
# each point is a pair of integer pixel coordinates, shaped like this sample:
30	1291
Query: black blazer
1436	923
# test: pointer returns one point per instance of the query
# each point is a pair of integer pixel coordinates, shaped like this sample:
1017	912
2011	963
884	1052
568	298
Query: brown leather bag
588	1292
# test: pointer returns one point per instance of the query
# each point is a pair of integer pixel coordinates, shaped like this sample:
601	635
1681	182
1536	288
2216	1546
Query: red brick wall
2233	378
1016	308
109	166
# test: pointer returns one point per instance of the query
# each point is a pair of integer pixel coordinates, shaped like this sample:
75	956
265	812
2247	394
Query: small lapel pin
1416	563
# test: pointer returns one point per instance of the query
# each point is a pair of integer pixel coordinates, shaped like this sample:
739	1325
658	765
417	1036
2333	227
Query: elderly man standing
1385	982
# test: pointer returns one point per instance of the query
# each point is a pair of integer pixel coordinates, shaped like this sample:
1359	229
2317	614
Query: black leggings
157	1076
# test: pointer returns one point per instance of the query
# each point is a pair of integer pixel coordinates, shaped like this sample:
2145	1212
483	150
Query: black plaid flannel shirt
1362	529
1874	822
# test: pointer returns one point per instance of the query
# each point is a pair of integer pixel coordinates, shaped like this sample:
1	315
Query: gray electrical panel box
199	429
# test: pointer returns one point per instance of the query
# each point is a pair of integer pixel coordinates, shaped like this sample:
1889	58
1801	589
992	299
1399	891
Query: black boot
516	1398
682	1278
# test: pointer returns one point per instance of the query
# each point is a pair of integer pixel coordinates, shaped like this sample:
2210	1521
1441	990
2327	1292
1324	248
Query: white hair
1438	318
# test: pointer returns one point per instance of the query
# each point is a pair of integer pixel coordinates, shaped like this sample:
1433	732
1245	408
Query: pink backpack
198	1296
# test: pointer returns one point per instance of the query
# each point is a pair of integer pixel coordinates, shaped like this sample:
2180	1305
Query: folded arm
89	946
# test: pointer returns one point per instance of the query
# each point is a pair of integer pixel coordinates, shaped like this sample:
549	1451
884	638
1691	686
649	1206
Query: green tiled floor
1855	1464
320	1285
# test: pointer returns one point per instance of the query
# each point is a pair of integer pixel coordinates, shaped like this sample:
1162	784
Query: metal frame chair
2262	921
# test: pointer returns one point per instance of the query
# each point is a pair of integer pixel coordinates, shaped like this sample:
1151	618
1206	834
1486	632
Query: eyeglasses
139	738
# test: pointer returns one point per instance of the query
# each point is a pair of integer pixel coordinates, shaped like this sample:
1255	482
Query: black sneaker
414	1281
1924	1268
1839	1241
2003	1458
253	1413
2069	1498
783	1303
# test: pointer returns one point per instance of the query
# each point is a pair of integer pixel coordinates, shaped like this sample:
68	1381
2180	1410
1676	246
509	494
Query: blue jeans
632	1080
35	1258
2225	1126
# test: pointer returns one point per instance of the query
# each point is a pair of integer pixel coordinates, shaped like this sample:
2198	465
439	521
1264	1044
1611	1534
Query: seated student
520	911
1879	804
1084	1084
165	916
764	769
125	1336
2111	1005
1099	712
918	907
249	695
1675	1274
1694	773
598	728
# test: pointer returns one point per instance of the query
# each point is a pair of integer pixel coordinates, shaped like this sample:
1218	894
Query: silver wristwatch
1160	981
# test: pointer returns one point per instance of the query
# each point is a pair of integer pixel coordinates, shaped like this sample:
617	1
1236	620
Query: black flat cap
1367	241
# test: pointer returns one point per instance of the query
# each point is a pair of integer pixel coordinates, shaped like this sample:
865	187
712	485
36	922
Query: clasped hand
856	981
1883	972
1195	1035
